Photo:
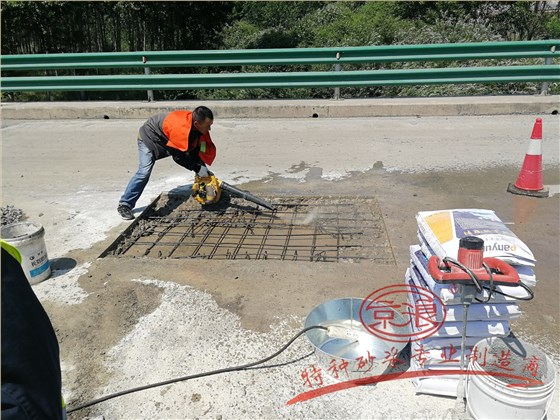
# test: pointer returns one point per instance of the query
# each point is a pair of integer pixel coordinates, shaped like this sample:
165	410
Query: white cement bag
482	312
445	385
482	328
437	368
442	230
426	248
444	357
476	312
441	342
436	386
526	274
474	329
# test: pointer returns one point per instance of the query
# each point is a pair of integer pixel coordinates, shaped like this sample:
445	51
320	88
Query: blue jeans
140	179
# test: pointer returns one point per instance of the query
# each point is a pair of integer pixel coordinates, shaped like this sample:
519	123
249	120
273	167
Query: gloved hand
203	171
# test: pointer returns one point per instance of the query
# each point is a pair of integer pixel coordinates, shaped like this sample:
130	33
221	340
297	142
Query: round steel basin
347	350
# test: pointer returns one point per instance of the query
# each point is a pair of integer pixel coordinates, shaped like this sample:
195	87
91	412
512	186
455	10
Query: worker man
183	135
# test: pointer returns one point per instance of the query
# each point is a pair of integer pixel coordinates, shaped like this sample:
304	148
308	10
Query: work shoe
125	212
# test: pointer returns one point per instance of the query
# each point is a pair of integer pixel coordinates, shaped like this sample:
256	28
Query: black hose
491	289
530	294
246	195
197	375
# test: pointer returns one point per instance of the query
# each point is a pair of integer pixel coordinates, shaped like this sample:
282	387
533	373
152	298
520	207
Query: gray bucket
29	239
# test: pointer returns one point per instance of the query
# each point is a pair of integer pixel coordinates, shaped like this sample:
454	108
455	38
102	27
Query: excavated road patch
316	229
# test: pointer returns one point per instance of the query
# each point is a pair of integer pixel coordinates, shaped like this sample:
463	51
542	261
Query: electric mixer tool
476	274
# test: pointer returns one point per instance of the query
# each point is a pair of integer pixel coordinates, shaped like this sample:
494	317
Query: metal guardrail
285	79
547	50
284	56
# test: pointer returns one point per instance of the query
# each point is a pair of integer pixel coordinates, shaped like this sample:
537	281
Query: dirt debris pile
11	214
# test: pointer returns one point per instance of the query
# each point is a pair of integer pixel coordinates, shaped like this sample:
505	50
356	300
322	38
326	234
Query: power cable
198	375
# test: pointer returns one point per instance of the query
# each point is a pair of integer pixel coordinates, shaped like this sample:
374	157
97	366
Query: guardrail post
148	71
547	61
337	67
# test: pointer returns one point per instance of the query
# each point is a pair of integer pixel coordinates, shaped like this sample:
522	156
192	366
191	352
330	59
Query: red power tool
472	267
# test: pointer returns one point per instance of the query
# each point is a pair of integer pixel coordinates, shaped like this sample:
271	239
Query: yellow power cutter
208	189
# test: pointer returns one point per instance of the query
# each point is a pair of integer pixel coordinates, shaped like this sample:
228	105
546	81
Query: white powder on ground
62	286
189	333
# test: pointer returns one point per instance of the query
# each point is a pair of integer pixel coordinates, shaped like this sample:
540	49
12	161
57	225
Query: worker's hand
203	171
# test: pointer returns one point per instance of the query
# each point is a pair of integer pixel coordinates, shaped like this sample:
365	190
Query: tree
35	27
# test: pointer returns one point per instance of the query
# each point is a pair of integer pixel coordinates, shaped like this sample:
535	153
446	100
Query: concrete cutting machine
208	189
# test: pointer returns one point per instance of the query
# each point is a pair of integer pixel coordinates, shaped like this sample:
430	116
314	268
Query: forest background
39	27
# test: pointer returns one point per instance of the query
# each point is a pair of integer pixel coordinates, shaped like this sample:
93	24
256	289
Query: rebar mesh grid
317	229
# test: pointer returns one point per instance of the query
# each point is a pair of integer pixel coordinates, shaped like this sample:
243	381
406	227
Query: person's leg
140	179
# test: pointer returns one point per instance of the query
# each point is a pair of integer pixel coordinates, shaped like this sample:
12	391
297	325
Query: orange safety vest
177	127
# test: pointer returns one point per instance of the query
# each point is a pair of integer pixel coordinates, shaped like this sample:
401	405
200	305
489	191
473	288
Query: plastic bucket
490	397
29	239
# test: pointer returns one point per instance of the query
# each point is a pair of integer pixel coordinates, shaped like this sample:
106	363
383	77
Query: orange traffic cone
529	181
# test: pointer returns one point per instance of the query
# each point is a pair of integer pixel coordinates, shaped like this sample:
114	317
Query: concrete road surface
125	322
